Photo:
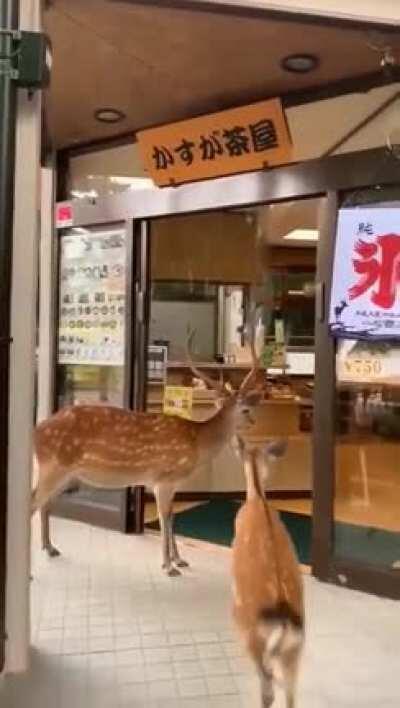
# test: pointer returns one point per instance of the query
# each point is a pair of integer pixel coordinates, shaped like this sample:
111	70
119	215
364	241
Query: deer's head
241	402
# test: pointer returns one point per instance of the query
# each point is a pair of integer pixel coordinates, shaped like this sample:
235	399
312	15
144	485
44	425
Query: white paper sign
92	298
365	296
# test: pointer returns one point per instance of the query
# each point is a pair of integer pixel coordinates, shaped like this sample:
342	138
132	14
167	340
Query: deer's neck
215	432
254	487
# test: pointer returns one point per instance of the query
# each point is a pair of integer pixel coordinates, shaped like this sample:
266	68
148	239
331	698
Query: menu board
92	297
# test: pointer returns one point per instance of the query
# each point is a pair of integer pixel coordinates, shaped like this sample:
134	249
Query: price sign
363	368
178	401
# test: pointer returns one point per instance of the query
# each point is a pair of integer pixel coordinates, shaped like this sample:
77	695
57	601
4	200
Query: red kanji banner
239	140
365	298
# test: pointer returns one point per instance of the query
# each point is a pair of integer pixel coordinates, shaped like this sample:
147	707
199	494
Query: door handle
140	306
320	301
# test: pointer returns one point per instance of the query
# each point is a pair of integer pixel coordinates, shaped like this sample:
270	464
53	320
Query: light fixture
133	182
302	235
109	115
300	63
79	194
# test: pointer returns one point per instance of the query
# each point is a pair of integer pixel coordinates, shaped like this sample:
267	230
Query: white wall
369	10
23	332
316	127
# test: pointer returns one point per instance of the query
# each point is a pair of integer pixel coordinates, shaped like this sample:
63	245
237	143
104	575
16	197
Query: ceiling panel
159	65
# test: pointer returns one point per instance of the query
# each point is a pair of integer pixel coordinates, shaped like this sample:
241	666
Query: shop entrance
341	428
205	258
227	277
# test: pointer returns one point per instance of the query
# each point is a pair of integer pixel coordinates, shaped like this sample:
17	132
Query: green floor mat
213	521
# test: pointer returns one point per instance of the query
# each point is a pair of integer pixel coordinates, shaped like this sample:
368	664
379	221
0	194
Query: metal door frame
118	519
325	177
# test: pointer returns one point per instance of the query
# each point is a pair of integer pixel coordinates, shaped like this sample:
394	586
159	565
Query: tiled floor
109	630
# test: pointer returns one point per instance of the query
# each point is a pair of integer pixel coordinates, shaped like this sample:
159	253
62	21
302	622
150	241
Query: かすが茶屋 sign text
238	140
366	275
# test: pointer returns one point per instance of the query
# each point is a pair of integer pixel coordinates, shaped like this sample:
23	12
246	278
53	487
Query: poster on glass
92	298
366	274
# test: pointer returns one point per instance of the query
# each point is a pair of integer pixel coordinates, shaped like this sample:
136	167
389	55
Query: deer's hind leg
47	545
50	483
290	669
267	688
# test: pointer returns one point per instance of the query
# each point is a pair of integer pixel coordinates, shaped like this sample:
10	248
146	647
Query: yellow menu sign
242	139
178	401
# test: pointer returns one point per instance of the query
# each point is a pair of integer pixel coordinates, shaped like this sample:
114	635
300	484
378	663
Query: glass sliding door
367	449
356	537
209	274
92	366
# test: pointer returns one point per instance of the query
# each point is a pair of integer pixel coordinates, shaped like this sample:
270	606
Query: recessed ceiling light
302	235
300	63
109	115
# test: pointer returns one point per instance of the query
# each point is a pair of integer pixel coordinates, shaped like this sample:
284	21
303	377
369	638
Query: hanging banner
92	298
178	401
365	300
243	139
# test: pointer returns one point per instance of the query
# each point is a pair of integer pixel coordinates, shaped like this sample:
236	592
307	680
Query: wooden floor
372	501
385	515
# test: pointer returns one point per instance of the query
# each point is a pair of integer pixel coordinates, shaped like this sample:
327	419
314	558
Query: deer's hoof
53	552
181	563
173	573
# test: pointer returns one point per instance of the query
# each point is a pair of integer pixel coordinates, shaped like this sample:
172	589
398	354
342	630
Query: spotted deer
267	585
105	446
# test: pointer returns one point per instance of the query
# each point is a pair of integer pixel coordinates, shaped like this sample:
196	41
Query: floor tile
192	687
108	633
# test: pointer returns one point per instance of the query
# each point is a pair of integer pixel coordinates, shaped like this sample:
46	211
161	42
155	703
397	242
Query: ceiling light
78	194
133	182
300	63
109	115
302	235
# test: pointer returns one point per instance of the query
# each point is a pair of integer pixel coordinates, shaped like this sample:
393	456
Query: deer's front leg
175	555
164	495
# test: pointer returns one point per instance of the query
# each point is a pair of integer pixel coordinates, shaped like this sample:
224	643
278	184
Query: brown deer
110	447
267	584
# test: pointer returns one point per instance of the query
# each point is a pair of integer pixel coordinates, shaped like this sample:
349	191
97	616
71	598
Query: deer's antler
250	337
217	386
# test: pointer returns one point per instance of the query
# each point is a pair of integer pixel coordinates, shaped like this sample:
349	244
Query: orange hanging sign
242	139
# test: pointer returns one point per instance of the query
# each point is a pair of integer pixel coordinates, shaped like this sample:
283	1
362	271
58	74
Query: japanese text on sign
92	298
238	140
178	401
365	291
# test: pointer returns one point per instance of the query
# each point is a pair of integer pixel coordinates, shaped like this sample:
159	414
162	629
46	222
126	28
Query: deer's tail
282	630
